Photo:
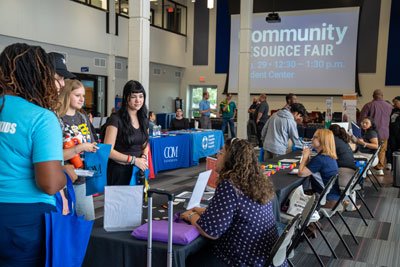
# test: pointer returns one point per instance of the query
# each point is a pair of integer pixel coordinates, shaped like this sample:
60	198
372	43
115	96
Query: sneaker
379	172
388	166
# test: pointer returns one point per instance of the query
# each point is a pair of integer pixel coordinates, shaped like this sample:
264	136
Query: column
139	43
111	59
246	22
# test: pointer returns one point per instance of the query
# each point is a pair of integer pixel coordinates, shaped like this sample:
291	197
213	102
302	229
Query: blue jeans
84	203
231	125
22	234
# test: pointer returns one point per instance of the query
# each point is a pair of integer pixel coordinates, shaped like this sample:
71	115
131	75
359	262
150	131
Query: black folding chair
306	216
328	213
372	173
278	252
359	184
348	190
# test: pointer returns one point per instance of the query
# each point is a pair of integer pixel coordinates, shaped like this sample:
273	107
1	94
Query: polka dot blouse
246	230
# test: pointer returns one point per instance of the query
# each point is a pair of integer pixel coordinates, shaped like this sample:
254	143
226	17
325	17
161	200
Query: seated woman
240	216
179	122
369	141
324	164
345	158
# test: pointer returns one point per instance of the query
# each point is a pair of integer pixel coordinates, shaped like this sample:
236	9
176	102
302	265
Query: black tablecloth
121	249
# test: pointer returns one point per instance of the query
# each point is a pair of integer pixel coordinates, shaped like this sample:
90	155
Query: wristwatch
190	215
365	145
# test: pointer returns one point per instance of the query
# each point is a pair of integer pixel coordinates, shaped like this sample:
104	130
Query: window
174	17
100	4
196	93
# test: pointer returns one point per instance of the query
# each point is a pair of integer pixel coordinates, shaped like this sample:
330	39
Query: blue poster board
170	152
204	144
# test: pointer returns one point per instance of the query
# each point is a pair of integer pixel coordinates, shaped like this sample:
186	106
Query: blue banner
204	144
170	152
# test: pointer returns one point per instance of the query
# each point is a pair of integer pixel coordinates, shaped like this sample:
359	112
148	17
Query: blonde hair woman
77	125
323	166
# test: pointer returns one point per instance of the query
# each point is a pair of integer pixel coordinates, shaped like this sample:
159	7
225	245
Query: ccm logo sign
171	152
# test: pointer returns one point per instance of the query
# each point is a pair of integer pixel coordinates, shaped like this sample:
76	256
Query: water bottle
155	130
159	130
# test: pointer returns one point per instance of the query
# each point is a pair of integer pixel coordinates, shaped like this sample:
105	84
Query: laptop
198	190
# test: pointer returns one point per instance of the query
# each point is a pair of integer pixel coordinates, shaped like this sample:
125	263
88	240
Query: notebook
356	130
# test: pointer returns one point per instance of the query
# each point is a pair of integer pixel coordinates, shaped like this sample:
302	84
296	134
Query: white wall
164	88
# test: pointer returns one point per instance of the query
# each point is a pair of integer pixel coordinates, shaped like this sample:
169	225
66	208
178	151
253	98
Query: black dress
119	174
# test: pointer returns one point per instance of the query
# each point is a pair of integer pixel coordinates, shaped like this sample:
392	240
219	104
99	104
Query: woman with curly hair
30	153
239	217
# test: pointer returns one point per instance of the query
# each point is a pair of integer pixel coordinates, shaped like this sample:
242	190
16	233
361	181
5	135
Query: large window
196	95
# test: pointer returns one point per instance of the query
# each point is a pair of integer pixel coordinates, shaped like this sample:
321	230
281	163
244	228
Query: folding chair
328	213
278	252
359	184
348	190
372	173
306	217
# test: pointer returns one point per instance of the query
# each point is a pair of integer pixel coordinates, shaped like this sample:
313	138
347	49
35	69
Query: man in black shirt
261	117
251	124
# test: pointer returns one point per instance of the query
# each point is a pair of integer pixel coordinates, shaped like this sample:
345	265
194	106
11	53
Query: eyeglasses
365	122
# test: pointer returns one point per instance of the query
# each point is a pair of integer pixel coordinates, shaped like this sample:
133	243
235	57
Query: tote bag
97	162
67	236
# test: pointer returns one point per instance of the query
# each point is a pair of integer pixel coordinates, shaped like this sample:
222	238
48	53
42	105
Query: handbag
67	236
182	233
97	162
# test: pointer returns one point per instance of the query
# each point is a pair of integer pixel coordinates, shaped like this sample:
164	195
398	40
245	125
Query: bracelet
190	216
133	160
128	160
365	145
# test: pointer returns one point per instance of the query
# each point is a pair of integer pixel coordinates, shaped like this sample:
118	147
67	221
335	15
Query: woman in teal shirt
30	153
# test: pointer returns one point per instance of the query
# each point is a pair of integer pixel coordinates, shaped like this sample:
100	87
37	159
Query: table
120	249
203	143
170	151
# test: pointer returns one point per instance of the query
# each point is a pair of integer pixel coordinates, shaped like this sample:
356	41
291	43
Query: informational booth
170	152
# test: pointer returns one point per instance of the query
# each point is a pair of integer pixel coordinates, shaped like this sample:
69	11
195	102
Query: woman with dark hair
127	133
179	122
30	153
369	141
240	216
345	158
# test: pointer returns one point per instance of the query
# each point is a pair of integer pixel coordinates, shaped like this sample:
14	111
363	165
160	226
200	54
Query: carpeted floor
379	243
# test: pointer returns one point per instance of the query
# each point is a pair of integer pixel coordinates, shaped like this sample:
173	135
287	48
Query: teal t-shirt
28	134
226	114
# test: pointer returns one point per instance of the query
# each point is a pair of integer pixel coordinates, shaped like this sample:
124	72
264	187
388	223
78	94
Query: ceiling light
210	4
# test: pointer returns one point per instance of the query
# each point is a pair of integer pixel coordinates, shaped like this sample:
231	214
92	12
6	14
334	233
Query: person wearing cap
61	70
394	132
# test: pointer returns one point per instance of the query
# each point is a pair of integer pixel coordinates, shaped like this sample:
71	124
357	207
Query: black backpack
103	129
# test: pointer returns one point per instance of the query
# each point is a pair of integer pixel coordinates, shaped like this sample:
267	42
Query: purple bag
182	233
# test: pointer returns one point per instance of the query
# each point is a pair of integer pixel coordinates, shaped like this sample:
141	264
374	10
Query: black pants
260	126
118	174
